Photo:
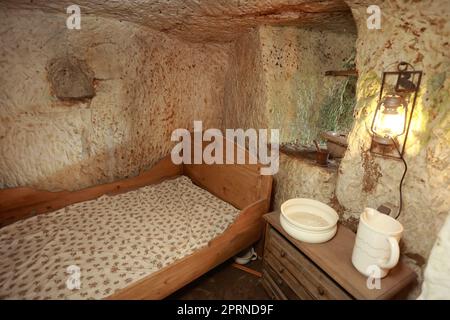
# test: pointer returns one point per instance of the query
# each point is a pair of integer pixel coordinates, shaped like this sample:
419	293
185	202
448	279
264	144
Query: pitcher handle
394	255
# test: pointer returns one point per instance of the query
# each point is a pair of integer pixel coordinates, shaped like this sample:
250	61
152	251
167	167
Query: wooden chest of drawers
297	270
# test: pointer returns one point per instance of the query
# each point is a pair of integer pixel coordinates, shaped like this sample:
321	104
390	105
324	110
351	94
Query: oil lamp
392	118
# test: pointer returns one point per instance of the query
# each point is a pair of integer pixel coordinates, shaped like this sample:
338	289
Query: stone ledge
308	157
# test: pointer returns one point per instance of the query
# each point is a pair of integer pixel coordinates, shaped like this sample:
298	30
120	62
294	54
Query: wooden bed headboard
237	184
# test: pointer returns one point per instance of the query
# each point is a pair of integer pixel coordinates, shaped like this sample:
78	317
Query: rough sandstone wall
294	63
276	81
418	33
299	178
146	84
245	88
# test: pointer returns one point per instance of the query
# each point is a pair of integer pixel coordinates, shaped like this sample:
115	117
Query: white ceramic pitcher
376	245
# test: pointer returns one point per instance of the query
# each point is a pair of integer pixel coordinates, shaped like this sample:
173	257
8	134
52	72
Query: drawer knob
281	270
280	282
282	253
321	291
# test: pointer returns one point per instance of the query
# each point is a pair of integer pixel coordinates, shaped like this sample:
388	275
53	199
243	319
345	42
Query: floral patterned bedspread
91	249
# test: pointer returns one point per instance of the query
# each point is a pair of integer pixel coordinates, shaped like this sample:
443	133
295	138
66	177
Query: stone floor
225	283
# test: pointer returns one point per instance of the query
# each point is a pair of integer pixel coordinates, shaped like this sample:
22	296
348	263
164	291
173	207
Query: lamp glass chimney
390	117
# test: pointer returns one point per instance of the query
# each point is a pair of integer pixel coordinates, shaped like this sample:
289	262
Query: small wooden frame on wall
342	73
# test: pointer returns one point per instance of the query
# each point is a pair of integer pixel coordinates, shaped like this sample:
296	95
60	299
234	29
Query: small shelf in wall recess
342	73
308	156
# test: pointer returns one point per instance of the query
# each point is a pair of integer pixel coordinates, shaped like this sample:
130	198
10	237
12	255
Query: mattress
91	249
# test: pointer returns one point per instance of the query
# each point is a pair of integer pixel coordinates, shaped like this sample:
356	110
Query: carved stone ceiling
206	20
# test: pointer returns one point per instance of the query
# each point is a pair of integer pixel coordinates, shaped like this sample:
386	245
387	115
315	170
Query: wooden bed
240	185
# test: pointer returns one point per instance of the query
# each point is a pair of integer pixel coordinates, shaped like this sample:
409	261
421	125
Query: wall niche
71	79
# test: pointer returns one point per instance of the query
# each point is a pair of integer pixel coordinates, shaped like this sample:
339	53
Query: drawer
271	288
287	283
307	274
